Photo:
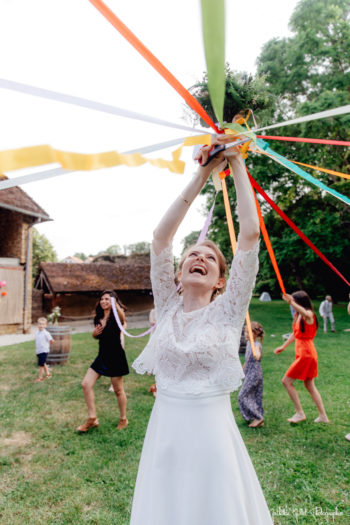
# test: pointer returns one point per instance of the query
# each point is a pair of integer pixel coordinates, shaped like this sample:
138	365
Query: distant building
18	214
76	287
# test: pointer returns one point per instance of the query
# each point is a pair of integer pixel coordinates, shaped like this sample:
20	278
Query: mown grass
52	475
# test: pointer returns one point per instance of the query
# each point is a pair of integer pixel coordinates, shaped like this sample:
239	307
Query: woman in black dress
111	360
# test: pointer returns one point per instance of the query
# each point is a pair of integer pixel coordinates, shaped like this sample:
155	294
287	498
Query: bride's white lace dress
194	468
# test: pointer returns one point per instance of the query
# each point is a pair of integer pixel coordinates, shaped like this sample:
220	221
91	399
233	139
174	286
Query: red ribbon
269	247
295	228
313	141
155	63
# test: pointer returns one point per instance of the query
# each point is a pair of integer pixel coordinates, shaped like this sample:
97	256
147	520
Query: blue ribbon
265	146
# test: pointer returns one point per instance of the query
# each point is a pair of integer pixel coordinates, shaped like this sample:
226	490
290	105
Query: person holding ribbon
111	360
305	366
194	466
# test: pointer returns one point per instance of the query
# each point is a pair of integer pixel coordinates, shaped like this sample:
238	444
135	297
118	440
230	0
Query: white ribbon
341	110
91	104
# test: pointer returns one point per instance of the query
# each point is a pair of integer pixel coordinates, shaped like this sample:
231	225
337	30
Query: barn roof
16	199
129	273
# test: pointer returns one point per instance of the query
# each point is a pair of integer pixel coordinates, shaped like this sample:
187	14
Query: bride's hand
219	161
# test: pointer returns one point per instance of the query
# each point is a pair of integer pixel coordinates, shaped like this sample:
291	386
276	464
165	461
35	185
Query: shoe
256	423
123	423
347	437
91	422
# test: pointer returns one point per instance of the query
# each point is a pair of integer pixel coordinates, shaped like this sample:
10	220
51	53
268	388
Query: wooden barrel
60	348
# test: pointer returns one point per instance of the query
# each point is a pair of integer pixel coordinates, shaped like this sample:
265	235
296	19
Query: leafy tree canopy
138	247
43	251
306	73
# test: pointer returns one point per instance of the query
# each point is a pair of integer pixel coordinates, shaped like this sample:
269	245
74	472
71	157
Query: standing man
326	313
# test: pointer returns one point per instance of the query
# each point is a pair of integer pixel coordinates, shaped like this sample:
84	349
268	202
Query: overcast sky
67	46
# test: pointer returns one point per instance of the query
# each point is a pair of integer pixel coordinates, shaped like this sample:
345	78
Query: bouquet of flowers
54	315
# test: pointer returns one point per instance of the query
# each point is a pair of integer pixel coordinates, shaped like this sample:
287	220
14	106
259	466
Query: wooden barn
18	214
76	287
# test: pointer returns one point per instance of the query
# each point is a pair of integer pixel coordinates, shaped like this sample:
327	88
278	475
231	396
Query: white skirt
195	468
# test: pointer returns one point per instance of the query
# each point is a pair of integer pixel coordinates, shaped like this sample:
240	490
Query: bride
194	468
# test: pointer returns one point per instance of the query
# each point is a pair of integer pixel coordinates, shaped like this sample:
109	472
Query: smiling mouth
198	269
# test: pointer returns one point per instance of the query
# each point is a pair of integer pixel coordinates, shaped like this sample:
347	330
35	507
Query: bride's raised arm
247	214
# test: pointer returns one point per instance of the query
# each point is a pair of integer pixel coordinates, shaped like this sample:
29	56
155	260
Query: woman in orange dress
304	367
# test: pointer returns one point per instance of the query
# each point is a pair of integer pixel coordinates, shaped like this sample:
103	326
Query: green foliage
138	247
81	256
114	249
306	73
189	240
242	92
43	251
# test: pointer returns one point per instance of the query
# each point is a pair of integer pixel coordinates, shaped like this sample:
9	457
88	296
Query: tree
138	247
242	92
43	251
81	256
306	73
190	239
114	249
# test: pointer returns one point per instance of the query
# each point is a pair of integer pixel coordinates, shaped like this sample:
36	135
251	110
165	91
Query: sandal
123	423
91	422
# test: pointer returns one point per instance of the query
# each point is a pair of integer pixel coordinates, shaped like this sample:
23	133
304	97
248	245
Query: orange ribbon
232	234
155	63
269	246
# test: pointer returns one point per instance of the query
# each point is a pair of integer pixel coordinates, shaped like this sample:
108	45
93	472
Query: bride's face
201	268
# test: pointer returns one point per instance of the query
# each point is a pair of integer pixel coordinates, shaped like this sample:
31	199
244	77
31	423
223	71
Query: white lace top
197	352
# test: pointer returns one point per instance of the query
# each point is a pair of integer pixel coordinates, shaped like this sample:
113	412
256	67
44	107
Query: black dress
111	360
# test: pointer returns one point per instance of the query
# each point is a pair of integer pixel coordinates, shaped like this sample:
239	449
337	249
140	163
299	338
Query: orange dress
305	364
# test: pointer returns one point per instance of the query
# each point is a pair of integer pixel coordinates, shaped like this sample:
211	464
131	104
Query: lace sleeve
162	277
241	282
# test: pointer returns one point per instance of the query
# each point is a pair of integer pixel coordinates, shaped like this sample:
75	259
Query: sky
68	47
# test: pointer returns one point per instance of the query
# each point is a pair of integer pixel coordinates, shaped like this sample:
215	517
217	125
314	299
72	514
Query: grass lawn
52	475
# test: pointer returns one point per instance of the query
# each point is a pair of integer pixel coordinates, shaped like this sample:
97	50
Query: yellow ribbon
29	157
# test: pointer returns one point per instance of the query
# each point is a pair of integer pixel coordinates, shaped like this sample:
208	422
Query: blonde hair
42	319
221	262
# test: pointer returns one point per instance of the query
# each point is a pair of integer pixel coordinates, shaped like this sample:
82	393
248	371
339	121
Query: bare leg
40	374
118	386
47	372
317	399
287	382
88	387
